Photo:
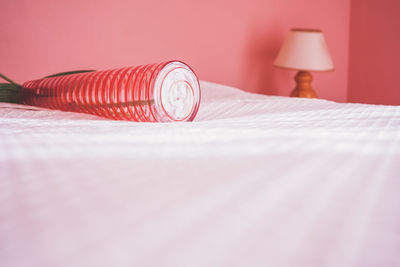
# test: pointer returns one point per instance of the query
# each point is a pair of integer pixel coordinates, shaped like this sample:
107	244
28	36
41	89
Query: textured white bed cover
254	181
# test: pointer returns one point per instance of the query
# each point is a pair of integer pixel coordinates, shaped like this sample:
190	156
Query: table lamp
304	50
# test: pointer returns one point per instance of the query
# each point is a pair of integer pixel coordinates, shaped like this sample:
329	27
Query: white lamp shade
305	50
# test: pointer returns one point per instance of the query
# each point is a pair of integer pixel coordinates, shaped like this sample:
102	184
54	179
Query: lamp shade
305	49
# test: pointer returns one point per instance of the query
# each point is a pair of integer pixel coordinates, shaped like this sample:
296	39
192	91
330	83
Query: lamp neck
303	79
303	85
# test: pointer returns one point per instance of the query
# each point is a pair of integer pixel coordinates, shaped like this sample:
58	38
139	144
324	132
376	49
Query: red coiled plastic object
164	92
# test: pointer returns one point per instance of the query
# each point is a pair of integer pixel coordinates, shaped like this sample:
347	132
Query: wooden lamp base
303	85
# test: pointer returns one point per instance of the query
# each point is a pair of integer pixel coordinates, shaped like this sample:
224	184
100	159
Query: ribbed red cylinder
120	94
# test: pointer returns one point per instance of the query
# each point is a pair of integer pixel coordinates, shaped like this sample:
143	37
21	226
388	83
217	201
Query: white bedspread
255	181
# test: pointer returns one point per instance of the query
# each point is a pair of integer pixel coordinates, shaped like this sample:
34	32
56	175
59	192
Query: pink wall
375	52
230	42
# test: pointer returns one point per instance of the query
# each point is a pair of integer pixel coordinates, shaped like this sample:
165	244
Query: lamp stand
303	85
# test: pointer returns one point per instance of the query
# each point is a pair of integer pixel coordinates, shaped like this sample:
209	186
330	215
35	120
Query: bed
255	180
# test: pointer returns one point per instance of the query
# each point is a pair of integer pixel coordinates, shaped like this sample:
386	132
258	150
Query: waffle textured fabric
254	181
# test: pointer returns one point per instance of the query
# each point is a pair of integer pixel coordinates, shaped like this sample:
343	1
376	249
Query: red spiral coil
141	93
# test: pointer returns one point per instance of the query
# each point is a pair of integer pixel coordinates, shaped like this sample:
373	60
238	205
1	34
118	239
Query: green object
9	92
